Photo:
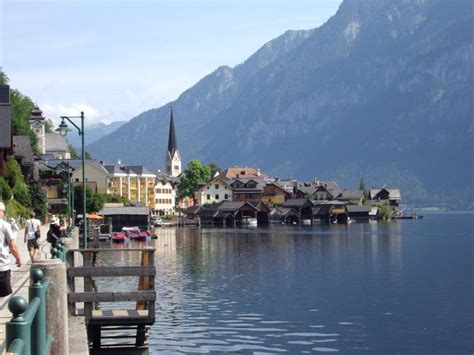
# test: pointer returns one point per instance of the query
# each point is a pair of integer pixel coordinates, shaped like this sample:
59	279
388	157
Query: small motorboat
144	236
134	233
248	221
120	237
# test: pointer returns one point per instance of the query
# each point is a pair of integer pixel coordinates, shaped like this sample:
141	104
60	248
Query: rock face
383	90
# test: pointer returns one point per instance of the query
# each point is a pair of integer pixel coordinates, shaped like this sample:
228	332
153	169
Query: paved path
20	278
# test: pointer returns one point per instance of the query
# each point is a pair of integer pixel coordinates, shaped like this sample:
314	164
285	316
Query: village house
247	189
351	197
318	190
274	194
214	191
165	195
392	196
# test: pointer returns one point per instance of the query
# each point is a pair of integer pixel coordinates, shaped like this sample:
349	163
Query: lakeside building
384	194
165	194
135	182
215	190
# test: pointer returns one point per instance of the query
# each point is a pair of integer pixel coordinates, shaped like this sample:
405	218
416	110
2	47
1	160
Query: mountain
383	90
94	132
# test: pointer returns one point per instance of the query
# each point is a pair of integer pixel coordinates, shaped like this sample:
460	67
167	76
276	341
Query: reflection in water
376	288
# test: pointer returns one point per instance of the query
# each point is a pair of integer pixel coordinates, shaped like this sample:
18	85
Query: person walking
32	235
7	245
55	231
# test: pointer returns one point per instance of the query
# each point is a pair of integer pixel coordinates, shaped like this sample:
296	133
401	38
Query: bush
5	190
385	212
16	210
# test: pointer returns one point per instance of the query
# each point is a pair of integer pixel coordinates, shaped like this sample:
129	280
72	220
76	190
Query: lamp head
63	128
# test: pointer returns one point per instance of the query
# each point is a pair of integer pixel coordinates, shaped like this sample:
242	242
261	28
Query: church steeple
172	145
173	159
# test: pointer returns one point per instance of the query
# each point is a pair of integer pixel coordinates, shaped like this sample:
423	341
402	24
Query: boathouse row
293	211
287	201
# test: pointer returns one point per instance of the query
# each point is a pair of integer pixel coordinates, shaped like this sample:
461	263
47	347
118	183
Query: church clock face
37	124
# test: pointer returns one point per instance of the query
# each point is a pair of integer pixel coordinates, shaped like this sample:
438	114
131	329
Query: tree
17	183
195	174
5	190
73	152
95	202
363	187
38	200
213	166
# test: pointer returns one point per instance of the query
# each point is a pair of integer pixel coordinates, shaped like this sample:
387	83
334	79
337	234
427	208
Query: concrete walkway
20	278
20	282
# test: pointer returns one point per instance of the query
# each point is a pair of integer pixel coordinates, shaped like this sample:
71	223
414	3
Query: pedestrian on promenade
32	235
55	231
7	245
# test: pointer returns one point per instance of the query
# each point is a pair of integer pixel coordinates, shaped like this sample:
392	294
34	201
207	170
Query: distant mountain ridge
383	90
94	132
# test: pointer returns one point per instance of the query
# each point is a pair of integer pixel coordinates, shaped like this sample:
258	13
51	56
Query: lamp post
66	168
63	129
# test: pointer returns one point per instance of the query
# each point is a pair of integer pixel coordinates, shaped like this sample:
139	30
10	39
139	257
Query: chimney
119	162
258	172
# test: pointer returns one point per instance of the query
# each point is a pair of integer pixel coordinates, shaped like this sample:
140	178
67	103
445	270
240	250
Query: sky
115	59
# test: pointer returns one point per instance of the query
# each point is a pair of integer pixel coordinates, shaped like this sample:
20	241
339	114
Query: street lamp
66	168
63	129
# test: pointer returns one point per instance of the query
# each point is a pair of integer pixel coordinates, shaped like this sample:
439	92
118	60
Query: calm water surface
400	287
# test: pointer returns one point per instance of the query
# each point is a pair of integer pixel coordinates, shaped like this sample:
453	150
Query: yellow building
136	183
96	175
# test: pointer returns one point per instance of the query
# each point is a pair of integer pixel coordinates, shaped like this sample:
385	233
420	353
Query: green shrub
385	212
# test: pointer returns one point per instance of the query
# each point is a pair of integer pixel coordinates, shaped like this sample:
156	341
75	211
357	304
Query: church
172	159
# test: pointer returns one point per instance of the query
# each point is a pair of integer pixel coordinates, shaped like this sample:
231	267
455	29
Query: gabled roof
74	163
351	194
243	172
22	149
330	186
283	211
279	187
297	203
54	142
393	194
110	211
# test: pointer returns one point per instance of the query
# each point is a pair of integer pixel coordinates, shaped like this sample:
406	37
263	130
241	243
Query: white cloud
54	111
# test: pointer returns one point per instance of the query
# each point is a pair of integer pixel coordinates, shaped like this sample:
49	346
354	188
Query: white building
214	191
165	195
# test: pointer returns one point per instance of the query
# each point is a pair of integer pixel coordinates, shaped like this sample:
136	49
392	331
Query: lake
397	287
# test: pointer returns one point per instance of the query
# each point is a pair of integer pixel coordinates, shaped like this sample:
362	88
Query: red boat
134	233
120	237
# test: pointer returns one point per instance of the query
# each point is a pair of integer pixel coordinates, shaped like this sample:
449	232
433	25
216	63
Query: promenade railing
26	331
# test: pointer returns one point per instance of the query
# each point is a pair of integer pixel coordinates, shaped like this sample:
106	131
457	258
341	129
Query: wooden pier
114	326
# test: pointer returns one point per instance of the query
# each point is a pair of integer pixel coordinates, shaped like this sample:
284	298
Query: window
208	197
226	196
216	186
217	196
176	167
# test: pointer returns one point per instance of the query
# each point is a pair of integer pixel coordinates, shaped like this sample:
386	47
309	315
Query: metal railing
26	331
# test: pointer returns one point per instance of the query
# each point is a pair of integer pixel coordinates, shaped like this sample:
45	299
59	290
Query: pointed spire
172	145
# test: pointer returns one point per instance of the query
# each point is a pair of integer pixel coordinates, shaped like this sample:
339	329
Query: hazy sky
116	59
